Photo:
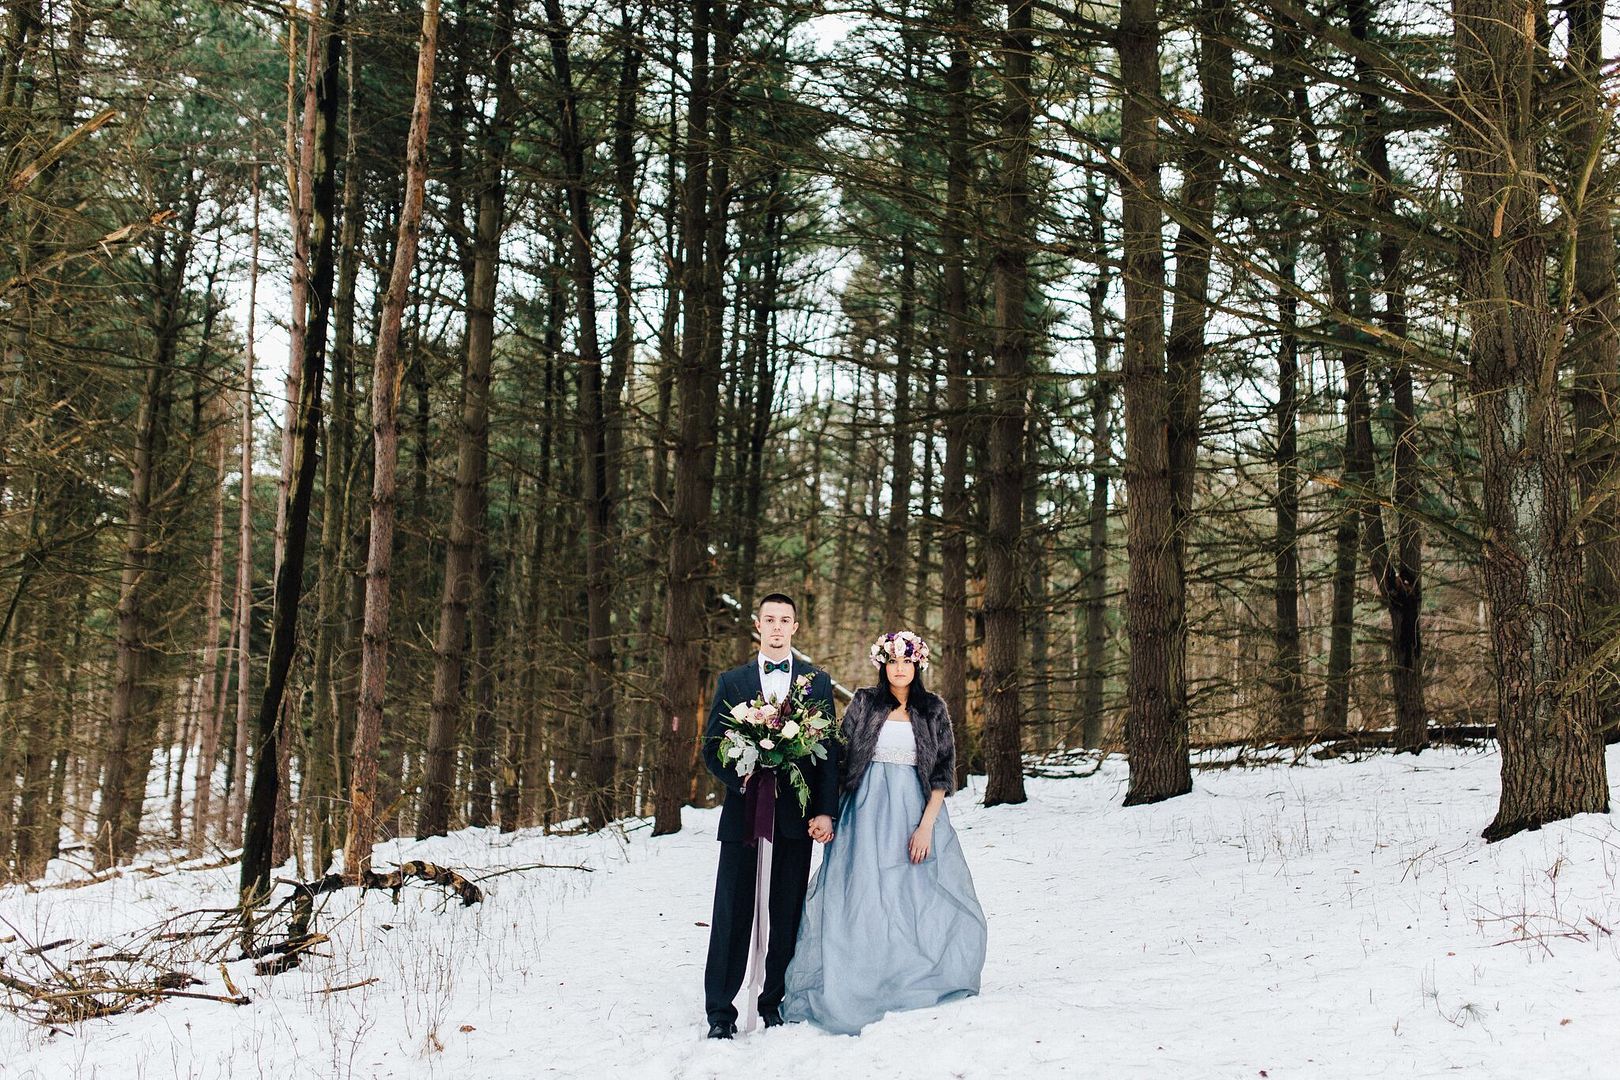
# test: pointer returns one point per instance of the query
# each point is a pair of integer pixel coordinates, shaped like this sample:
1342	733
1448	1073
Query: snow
1334	919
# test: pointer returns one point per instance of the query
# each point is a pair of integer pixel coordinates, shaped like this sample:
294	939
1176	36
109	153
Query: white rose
767	744
790	729
740	711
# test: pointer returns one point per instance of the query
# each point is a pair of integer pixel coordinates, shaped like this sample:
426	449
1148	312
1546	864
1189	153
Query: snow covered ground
1341	919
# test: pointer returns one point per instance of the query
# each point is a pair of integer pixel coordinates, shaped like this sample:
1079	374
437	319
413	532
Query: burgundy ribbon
759	806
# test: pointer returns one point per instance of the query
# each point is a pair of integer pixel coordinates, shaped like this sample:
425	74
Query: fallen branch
394	880
143	968
51	1006
347	986
533	866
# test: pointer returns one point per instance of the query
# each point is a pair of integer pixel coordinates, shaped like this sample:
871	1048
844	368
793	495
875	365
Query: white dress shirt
774	686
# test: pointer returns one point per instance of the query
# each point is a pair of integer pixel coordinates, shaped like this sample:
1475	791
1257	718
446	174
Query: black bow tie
785	667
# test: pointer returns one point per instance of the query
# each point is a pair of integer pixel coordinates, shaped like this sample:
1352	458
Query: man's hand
821	829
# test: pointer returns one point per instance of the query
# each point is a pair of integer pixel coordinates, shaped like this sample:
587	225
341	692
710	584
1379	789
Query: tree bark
1009	267
697	388
897	529
762	373
601	756
259	832
38	820
1397	561
231	807
212	687
1594	340
1349	508
1033	553
334	642
1287	667
1155	717
122	778
385	379
466	552
1102	451
1547	711
123	785
1290	676
482	776
955	500
1185	347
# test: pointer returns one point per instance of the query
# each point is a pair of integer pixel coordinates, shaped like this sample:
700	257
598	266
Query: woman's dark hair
885	692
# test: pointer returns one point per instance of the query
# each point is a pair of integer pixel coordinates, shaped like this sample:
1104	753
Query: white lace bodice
896	743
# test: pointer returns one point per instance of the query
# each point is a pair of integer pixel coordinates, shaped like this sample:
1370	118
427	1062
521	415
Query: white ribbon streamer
747	1000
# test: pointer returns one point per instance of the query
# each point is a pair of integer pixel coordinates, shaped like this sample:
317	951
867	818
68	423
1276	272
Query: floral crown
902	645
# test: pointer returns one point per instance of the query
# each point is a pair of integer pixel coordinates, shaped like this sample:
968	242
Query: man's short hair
776	598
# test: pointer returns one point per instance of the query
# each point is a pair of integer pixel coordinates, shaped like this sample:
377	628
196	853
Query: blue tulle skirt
879	932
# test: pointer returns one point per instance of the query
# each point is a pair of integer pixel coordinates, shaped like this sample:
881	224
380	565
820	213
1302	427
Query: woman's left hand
922	842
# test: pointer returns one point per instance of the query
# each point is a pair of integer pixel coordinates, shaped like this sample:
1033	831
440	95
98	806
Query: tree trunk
36	823
124	779
385	380
123	786
259	834
231	807
211	707
1547	715
1155	719
333	720
955	501
1347	531
1288	675
896	533
1033	551
466	552
482	776
1009	262
1397	566
762	369
922	596
1185	347
601	757
1102	451
1594	340
697	387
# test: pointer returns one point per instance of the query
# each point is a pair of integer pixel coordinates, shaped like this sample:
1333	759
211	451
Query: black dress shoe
772	1017
723	1029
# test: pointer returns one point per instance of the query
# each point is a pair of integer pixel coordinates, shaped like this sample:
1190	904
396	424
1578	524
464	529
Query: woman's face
900	672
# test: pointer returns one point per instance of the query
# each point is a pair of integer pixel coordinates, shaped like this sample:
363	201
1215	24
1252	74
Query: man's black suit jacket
741	684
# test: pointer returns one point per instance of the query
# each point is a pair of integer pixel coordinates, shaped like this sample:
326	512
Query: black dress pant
733	922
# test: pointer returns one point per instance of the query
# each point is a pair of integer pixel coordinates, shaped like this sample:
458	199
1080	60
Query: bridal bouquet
778	735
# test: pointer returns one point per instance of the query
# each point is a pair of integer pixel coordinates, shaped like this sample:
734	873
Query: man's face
776	624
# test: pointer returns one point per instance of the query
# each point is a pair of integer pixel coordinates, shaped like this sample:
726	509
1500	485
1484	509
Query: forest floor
1335	919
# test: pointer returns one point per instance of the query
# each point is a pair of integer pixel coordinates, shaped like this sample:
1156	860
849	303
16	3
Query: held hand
821	829
922	842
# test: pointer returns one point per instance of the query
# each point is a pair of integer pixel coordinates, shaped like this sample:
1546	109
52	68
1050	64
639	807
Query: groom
769	673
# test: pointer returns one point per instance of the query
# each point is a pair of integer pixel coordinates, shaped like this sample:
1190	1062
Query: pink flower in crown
900	645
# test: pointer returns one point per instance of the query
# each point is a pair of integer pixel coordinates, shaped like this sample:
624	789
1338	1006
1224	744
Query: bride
891	920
